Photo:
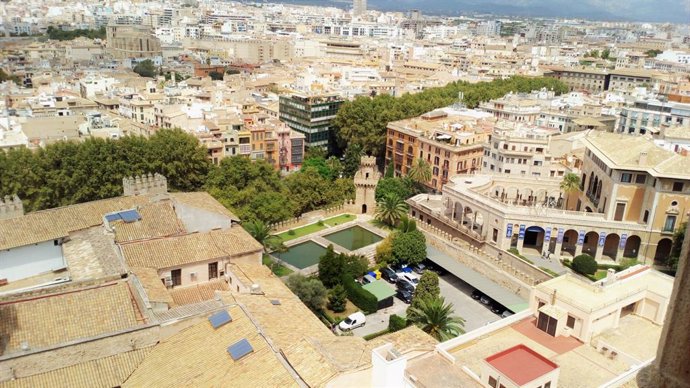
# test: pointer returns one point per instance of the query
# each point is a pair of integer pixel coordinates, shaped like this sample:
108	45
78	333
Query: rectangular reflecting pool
302	255
353	238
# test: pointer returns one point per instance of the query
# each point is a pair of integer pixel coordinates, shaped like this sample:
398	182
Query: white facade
30	260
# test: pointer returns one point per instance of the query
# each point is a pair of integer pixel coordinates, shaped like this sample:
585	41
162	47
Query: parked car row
491	304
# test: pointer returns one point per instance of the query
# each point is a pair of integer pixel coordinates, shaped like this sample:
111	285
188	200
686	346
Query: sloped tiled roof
191	248
197	293
49	320
100	373
198	357
157	220
55	223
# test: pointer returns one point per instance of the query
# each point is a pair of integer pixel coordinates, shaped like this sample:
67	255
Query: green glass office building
310	115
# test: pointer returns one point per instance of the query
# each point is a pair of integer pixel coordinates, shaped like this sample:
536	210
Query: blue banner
509	230
624	238
602	238
521	236
581	238
560	236
547	235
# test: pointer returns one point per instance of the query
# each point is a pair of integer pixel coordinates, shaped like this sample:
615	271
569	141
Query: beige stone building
450	140
131	41
632	198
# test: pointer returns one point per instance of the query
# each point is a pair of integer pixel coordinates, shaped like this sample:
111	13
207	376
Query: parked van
353	321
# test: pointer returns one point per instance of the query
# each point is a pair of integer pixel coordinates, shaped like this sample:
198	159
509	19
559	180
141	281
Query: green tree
351	160
145	68
407	224
584	264
262	233
653	53
396	323
401	187
309	190
337	298
331	267
216	76
335	168
428	288
420	171
435	317
269	207
7	77
569	184
409	248
390	170
355	265
384	251
180	158
309	290
605	54
390	209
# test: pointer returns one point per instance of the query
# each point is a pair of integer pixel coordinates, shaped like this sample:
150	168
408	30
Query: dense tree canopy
309	290
58	34
145	68
409	248
68	172
362	122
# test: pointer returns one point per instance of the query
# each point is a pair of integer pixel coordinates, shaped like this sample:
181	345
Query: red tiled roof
521	364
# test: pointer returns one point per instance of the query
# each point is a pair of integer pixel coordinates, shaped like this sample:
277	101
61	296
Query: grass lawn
349	309
337	220
600	274
315	227
277	268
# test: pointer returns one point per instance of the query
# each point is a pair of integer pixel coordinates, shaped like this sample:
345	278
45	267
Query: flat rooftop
521	364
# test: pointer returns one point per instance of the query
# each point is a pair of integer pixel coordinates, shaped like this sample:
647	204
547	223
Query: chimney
145	184
610	276
643	158
553	298
11	207
388	367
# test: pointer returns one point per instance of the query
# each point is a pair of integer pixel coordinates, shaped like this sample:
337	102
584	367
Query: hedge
360	297
396	322
371	336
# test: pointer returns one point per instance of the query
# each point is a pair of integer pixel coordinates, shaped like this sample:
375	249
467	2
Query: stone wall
498	272
308	218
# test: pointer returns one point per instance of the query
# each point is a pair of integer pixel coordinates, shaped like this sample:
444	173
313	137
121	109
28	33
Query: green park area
315	227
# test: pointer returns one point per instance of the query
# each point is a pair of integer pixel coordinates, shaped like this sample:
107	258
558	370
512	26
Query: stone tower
366	179
145	185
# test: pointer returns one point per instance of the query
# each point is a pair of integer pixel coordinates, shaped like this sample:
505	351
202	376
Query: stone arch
588	209
512	193
611	245
632	246
569	241
498	192
541	195
590	244
534	238
467	216
457	211
663	250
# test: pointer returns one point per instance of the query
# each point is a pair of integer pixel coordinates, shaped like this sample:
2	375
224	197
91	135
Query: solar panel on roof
219	319
240	349
275	302
130	215
113	217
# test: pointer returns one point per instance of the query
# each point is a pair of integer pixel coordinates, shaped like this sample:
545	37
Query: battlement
368	161
11	207
145	184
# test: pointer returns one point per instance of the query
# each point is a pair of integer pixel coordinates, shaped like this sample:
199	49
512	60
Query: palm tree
434	316
420	171
407	224
390	209
262	233
569	184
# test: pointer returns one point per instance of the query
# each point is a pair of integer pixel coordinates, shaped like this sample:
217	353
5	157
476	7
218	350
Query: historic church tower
366	179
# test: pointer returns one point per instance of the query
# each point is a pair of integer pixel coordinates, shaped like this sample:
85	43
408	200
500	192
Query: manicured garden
315	227
277	268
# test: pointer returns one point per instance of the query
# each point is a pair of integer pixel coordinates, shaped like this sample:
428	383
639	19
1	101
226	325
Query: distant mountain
675	11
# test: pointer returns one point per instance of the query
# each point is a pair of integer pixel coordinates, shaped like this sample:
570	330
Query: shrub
371	336
291	232
337	299
331	267
585	264
409	247
548	271
360	297
320	223
627	263
514	251
384	251
396	322
309	290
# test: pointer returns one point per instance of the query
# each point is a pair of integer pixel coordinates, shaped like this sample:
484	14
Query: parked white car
410	277
353	321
